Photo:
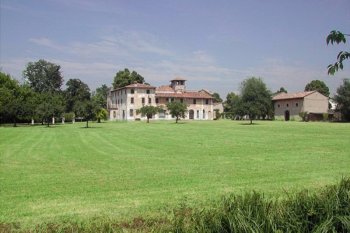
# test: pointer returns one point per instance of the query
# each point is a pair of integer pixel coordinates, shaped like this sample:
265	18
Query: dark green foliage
281	90
304	116
87	110
217	98
255	100
217	114
51	105
337	37
317	85
343	99
43	76
100	96
230	105
148	111
77	91
177	109
124	78
68	116
325	211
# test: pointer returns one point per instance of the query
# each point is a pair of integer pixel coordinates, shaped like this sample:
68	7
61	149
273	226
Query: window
197	114
157	101
172	99
181	100
125	91
114	114
203	114
167	99
132	91
143	100
149	100
194	101
148	91
206	101
278	105
287	105
132	100
131	112
296	104
121	101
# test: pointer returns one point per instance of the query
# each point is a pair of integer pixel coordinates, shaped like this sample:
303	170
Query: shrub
68	116
325	116
304	116
217	114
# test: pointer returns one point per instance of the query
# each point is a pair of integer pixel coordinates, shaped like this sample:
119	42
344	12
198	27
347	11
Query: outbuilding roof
297	95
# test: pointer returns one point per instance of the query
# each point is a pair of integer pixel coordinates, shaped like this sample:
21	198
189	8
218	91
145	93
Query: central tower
178	84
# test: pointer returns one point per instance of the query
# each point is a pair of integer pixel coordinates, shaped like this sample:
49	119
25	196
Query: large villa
122	103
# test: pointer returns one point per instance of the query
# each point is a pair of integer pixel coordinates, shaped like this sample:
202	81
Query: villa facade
124	102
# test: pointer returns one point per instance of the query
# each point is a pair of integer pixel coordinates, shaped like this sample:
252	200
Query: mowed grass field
128	169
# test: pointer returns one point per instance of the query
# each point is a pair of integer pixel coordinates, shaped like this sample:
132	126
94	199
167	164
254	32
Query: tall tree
87	110
231	104
77	91
337	37
148	111
217	97
51	105
177	109
255	100
43	76
124	78
343	99
317	85
15	100
100	96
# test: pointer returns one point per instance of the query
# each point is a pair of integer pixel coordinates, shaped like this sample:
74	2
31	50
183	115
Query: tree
43	76
255	100
217	97
124	78
230	104
100	96
77	91
15	100
317	85
177	109
343	99
148	111
87	110
101	114
337	37
51	105
281	90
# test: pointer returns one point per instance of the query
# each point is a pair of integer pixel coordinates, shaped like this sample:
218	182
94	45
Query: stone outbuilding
289	105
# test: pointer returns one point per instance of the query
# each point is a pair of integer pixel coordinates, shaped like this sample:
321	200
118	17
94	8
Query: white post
53	120
63	120
73	120
32	121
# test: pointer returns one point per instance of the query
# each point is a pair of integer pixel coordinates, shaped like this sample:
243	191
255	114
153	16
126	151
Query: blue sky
213	44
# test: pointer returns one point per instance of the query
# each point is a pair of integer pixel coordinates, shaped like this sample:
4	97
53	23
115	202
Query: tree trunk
87	124
251	121
177	118
147	120
14	122
48	122
98	120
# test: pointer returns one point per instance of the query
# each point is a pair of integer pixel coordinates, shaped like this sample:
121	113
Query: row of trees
40	97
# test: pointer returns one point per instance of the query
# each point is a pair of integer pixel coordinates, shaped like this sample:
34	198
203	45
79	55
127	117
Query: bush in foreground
327	210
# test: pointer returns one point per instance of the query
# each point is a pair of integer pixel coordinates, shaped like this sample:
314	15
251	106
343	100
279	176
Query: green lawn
122	170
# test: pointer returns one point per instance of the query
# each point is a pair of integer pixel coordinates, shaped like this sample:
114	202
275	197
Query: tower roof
178	79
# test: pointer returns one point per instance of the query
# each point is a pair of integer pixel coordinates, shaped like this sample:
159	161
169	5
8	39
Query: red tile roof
165	88
297	95
192	95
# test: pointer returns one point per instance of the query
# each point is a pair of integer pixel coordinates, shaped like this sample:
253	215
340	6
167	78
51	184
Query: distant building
122	103
291	104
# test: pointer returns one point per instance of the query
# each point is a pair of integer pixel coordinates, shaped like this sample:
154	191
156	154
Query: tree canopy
148	111
43	76
77	91
317	85
177	109
281	90
124	78
337	37
343	99
217	97
100	96
255	99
